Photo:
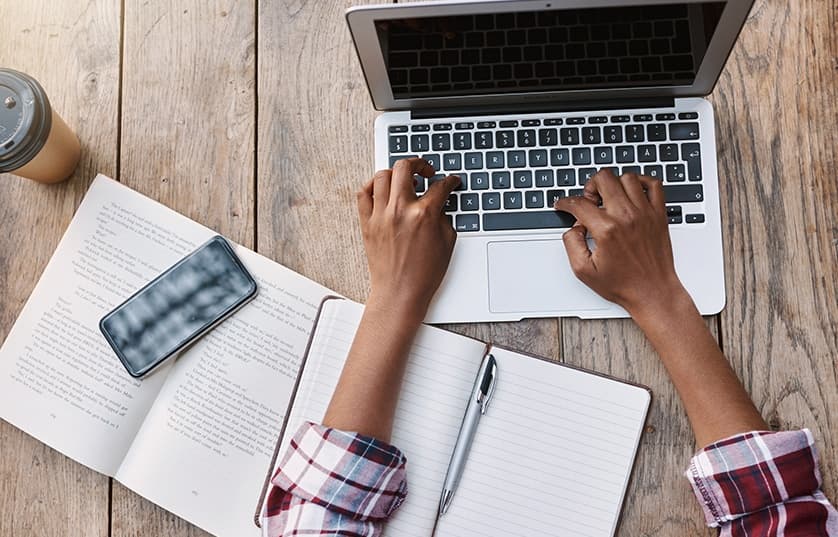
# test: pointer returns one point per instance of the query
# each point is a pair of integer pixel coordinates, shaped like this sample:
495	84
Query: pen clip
487	382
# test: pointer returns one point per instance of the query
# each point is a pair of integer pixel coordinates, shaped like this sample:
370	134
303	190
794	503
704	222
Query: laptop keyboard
512	171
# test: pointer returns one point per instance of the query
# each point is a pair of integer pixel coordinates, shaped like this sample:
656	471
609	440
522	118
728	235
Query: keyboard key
480	181
692	154
531	123
620	119
548	137
462	140
464	126
668	152
397	128
534	199
544	178
575	120
554	121
491	201
505	139
559	157
695	218
495	159
452	161
526	138
469	202
688	115
576	192
516	159
486	125
683	193
420	128
581	155
419	142
674	219
631	169
656	132
591	135
507	124
597	119
474	161
442	127
398	144
527	220
553	196
646	153
603	155
683	131
642	117
537	157
419	184
433	160
463	180
451	204
625	153
566	177
441	142
634	133
585	175
654	171
501	180
512	200
673	210
467	222
665	117
613	169
612	134
569	136
483	140
396	158
676	173
522	179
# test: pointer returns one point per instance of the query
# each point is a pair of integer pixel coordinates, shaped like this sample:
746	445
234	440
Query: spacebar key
527	220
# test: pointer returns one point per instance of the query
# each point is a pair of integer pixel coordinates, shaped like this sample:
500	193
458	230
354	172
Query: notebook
552	455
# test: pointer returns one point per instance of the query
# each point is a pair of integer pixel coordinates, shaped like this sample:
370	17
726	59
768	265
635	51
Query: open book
551	456
195	436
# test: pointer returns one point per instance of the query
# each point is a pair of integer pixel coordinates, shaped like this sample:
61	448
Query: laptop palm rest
546	282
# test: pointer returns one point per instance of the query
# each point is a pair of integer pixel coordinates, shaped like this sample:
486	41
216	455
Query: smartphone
178	307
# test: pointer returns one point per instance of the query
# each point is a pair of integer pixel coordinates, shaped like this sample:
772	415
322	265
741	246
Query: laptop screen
549	50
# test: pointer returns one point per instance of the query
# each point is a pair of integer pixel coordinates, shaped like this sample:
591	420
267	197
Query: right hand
632	263
408	240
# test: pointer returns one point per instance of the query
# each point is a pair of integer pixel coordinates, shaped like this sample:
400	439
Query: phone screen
178	306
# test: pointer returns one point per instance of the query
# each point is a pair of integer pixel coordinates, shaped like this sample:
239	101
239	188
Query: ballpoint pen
484	385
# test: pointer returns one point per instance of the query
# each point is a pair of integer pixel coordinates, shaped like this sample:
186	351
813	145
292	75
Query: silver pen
484	385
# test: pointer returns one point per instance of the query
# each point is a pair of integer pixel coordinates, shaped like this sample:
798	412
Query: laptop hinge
542	107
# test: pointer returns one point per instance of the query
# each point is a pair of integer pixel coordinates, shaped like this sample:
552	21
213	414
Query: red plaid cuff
774	474
345	473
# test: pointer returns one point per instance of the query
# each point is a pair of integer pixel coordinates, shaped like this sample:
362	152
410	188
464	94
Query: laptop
525	101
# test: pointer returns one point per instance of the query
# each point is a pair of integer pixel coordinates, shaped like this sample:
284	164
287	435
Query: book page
551	456
59	380
207	442
439	377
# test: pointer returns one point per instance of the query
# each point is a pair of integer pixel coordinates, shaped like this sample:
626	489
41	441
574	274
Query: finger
381	188
584	210
654	192
606	185
365	201
439	191
634	189
402	185
578	253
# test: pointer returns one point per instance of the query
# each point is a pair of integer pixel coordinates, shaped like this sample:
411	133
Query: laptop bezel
361	21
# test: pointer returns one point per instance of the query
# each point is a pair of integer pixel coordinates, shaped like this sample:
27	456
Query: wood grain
187	140
777	107
74	53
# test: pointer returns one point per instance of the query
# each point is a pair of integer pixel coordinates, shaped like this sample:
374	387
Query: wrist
672	305
396	309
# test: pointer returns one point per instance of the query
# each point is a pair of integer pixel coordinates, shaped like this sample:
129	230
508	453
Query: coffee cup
34	141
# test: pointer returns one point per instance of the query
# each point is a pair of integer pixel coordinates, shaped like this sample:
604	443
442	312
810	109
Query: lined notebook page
438	380
552	455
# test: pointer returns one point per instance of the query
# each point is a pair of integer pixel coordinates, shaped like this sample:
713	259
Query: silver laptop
525	101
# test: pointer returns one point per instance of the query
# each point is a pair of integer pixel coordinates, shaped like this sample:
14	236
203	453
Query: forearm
716	402
367	392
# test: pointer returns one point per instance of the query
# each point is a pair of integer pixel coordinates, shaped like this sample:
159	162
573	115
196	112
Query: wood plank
187	141
776	109
41	491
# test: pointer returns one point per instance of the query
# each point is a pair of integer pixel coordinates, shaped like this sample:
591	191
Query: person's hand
408	240
631	263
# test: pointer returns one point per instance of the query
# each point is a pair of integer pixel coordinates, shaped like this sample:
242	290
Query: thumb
577	249
438	192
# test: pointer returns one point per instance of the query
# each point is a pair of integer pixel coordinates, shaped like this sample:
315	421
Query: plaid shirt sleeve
763	484
335	483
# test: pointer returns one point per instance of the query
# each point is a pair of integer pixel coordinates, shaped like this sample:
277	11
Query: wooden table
253	119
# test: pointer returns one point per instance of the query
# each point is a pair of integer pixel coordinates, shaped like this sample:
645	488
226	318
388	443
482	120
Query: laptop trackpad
535	276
